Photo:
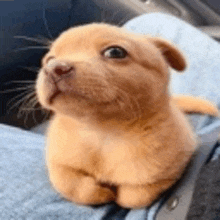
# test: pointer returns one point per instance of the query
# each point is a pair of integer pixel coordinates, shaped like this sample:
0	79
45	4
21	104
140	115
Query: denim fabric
202	77
25	191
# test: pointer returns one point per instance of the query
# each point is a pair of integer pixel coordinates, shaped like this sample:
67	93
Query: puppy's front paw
80	188
89	192
134	196
139	196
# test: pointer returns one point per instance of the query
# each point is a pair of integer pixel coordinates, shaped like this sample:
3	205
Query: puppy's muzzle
58	75
57	70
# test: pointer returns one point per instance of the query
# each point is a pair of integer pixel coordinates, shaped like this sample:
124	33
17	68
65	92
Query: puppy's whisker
45	21
122	21
34	118
32	48
129	102
126	99
103	15
107	19
47	113
31	69
25	120
19	101
113	16
45	39
32	102
30	109
17	96
137	111
41	41
21	82
23	111
29	102
17	89
23	100
134	111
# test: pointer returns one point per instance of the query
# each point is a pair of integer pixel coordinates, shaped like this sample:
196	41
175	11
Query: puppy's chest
101	154
87	147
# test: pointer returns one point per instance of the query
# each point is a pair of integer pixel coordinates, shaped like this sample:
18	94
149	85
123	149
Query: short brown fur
116	134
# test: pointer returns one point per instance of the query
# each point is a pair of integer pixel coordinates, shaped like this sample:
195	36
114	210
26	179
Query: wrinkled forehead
93	35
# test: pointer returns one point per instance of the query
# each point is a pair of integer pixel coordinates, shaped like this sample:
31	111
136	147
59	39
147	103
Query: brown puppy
116	134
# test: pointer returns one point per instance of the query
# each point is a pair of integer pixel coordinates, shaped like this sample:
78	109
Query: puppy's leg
139	196
79	187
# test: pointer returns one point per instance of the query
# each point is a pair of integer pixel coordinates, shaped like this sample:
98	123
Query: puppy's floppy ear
171	53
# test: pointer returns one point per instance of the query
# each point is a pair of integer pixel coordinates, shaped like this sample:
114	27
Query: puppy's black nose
58	68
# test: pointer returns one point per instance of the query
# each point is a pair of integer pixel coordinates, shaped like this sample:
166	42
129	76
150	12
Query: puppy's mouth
53	96
94	92
58	90
54	89
61	87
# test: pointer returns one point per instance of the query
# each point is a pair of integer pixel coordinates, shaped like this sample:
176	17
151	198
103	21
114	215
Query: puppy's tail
190	104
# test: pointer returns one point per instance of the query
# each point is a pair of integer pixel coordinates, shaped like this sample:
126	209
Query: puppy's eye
115	52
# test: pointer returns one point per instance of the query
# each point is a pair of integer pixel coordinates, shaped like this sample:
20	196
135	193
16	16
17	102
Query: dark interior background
45	19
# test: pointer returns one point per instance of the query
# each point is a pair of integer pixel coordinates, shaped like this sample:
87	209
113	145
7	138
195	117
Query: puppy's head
104	71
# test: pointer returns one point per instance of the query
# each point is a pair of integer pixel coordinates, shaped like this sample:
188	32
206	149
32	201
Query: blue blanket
25	191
